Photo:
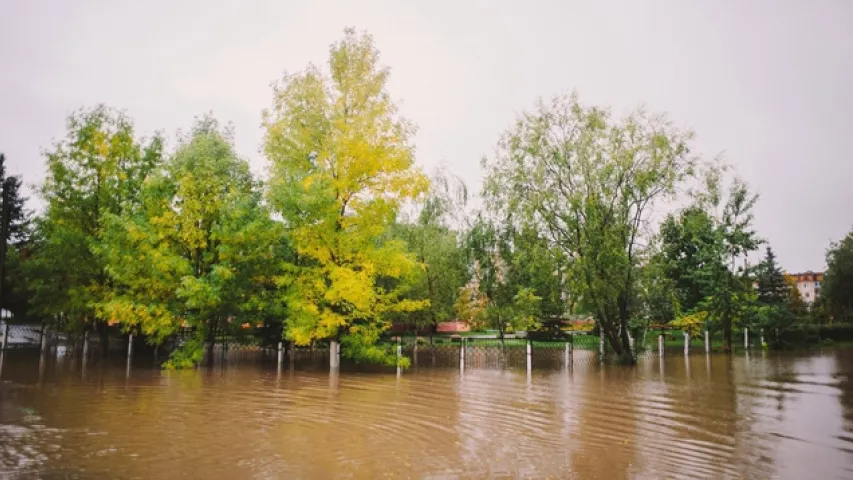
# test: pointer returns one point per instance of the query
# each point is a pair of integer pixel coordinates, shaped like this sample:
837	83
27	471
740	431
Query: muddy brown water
757	416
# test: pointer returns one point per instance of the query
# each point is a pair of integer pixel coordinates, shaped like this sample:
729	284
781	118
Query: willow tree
341	163
199	251
97	169
430	235
588	181
507	294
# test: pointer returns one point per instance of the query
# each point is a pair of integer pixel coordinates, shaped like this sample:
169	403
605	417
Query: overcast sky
769	84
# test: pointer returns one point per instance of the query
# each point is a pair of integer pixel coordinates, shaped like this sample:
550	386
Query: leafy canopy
586	181
198	249
97	169
341	163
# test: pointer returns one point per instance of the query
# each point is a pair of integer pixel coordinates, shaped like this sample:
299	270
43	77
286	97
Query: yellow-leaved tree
341	164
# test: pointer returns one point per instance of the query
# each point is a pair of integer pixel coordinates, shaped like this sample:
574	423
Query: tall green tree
341	164
698	257
96	170
506	301
732	300
691	251
587	182
437	245
200	249
837	290
20	218
15	292
772	288
779	302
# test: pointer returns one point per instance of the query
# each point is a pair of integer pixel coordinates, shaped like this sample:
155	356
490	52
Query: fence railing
471	351
20	336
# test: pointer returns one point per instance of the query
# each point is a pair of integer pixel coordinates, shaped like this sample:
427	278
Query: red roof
453	327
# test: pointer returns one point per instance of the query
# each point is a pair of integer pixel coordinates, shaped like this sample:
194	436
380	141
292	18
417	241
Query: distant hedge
840	332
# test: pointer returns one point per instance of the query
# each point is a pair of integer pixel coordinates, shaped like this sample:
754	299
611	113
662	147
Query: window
816	284
807	294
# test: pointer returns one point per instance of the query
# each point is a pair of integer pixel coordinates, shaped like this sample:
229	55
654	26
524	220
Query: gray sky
769	84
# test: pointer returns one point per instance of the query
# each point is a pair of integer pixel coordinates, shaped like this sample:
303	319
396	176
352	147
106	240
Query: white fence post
707	342
334	355
462	355
660	345
280	353
43	338
746	338
686	343
529	354
5	336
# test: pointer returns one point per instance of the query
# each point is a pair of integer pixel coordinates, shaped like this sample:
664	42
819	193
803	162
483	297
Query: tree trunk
103	330
627	354
727	333
211	341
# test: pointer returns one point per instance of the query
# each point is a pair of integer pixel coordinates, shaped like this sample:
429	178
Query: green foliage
437	246
692	324
780	305
187	355
586	181
504	295
16	293
96	170
691	253
772	288
341	165
199	248
697	257
838	280
19	216
364	346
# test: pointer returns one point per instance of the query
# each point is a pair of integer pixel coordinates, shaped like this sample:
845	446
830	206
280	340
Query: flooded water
761	416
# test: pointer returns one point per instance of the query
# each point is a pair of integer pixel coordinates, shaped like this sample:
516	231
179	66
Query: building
808	283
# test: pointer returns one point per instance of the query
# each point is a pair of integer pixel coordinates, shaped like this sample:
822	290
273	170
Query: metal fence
473	351
20	336
423	352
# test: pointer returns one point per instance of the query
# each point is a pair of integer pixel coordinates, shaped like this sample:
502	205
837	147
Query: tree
341	163
732	298
781	306
500	302
837	290
437	246
96	170
691	251
772	287
199	250
587	182
19	228
15	294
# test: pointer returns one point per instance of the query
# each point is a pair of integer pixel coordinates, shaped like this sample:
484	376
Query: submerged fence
486	351
472	351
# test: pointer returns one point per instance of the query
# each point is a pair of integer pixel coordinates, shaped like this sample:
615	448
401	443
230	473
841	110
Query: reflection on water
762	415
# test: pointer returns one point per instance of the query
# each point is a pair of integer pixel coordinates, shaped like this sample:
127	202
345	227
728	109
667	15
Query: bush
813	334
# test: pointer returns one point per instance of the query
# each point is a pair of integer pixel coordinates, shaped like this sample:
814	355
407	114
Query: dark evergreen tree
19	217
837	291
14	294
772	288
